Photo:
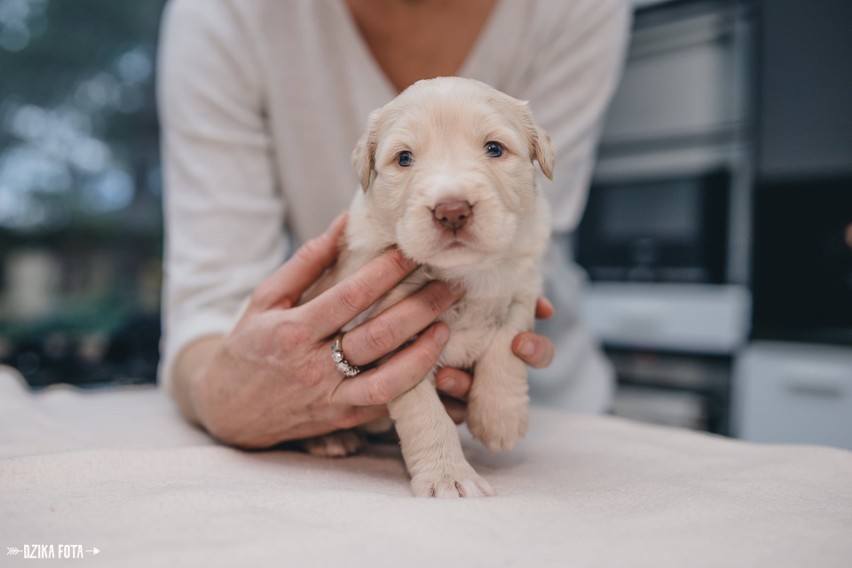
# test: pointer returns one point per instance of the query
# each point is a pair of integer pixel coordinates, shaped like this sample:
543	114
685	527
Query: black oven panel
802	261
666	230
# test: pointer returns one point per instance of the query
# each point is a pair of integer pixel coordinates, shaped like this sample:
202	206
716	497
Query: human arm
574	67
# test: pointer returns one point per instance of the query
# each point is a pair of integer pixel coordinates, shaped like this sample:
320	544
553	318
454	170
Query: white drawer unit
794	393
670	317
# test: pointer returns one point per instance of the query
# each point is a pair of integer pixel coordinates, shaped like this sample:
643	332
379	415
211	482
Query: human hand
272	378
535	350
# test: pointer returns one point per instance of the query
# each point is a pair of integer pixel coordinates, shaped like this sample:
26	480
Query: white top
262	102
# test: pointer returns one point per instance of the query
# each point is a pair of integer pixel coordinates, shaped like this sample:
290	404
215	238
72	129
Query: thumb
285	286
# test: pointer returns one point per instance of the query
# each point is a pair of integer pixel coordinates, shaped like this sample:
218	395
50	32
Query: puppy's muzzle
452	215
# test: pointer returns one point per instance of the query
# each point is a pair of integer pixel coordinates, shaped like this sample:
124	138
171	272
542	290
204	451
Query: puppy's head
447	168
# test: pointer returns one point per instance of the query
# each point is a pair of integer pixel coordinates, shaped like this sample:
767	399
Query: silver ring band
348	369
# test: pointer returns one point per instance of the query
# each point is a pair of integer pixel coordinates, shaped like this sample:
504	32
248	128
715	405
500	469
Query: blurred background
717	239
80	220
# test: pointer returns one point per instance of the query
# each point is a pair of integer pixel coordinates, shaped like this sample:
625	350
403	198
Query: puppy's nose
452	215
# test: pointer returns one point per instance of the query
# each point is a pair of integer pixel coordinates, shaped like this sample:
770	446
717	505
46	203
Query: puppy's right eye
494	149
405	158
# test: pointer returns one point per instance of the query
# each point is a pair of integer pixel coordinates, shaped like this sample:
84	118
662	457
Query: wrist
191	377
210	395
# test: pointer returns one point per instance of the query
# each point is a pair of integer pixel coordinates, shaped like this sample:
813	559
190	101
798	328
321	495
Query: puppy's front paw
449	485
335	445
496	422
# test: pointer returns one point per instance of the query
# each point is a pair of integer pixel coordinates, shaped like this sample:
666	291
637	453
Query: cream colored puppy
447	174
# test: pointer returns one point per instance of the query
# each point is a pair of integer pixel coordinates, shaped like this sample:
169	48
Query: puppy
447	175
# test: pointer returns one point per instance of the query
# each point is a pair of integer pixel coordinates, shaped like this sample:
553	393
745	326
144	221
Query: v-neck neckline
464	70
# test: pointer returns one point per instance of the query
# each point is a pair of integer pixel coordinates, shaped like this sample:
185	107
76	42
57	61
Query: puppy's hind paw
335	445
451	486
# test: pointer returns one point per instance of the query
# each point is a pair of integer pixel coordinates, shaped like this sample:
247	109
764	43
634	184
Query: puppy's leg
431	447
498	403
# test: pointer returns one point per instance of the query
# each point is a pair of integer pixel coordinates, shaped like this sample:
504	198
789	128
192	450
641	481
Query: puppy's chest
473	324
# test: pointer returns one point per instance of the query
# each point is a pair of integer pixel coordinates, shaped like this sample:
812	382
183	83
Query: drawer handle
816	390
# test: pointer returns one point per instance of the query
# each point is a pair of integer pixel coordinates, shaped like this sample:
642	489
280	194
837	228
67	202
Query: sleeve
573	75
223	210
577	61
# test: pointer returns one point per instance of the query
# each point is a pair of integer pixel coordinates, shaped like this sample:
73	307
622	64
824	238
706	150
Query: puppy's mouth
454	238
453	242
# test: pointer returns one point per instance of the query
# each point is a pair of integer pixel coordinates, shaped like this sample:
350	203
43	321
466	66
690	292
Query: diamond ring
348	369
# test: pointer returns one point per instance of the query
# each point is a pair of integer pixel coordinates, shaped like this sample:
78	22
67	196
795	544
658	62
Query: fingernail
442	333
526	348
447	385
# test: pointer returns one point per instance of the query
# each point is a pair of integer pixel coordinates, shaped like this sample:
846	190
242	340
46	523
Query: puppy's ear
364	154
542	148
544	151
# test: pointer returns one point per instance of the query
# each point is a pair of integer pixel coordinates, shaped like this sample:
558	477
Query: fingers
535	350
398	374
399	323
544	309
453	382
284	287
340	304
453	386
358	415
455	408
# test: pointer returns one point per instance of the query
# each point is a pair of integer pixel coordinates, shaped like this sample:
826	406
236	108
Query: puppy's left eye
493	149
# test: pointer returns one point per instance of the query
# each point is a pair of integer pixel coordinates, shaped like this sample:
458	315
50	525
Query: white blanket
118	470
